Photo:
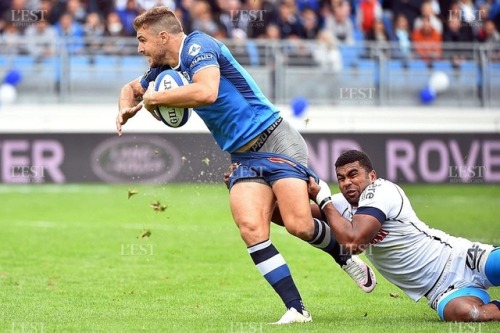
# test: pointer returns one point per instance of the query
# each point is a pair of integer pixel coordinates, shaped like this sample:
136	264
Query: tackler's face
353	179
152	45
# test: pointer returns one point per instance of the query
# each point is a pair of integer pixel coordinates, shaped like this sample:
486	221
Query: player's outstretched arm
128	103
355	235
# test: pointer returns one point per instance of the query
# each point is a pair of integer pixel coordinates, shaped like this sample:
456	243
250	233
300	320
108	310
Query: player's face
151	45
353	179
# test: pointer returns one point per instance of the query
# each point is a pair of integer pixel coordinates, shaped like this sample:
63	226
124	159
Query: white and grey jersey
406	251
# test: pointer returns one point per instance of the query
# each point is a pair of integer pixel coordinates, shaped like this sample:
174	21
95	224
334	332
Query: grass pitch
89	259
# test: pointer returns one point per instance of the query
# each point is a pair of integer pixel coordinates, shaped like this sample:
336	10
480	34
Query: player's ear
164	36
372	175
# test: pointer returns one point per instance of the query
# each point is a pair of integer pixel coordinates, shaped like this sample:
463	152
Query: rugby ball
170	116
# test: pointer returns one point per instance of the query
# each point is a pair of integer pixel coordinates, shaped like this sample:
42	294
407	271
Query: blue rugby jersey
241	111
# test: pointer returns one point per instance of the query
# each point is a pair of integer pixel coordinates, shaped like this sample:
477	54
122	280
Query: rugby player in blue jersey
272	156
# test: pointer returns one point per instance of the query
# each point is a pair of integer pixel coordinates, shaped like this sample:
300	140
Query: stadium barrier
157	158
65	143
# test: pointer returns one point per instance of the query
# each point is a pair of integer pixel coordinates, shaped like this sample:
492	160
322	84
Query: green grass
72	259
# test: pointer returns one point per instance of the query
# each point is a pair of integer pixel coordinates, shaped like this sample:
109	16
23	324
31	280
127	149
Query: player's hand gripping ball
170	116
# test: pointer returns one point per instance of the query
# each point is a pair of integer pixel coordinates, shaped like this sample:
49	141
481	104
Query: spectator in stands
43	38
127	16
94	31
367	13
272	32
467	11
243	50
427	12
268	17
427	42
489	33
339	23
409	8
202	18
77	10
231	17
289	21
456	32
10	39
103	7
379	38
308	4
114	28
327	53
493	12
310	23
51	12
71	33
13	15
490	36
402	37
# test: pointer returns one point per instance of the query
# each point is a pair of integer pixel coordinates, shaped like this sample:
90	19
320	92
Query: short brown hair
159	19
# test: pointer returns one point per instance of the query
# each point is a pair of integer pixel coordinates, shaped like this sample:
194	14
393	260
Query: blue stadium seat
443	65
394	64
350	55
23	61
417	64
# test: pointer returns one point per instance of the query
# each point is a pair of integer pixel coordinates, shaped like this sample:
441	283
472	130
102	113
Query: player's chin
351	195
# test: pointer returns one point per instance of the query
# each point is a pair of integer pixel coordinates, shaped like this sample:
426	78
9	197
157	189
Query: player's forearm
129	97
189	96
343	230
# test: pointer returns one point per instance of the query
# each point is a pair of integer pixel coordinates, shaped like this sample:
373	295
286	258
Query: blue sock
274	269
324	240
492	267
497	303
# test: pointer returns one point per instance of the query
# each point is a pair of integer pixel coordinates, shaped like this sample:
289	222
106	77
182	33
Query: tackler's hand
228	173
320	193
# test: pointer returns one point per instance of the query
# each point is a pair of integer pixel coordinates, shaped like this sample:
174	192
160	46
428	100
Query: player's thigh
293	200
252	203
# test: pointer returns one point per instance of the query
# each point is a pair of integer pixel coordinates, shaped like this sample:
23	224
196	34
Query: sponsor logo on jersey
201	57
381	234
474	255
194	49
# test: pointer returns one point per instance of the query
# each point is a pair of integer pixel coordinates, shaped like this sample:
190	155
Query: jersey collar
180	52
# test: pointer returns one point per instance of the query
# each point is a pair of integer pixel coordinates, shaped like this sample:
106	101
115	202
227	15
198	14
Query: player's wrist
324	202
324	195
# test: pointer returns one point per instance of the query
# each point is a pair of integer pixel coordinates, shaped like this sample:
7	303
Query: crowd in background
332	22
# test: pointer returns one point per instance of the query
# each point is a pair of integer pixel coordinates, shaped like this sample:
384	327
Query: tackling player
375	216
272	155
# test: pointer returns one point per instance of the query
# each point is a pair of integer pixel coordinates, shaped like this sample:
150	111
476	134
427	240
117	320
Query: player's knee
462	312
252	232
301	230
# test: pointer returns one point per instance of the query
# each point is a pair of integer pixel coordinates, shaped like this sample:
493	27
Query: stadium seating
283	71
